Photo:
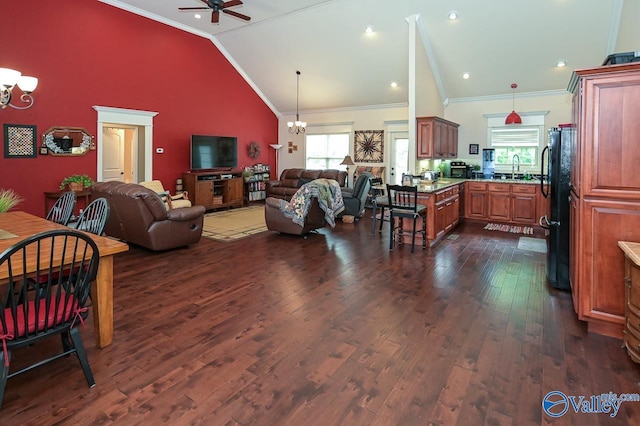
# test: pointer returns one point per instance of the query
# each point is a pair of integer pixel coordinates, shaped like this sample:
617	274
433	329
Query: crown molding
352	108
510	96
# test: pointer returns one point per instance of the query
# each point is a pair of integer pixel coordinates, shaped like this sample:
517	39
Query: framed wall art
20	141
369	146
473	148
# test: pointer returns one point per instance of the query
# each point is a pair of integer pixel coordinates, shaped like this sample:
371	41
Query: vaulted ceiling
497	42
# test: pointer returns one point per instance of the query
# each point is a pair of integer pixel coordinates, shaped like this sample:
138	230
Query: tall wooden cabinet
605	198
436	138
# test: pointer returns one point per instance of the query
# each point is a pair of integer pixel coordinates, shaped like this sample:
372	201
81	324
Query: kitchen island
508	201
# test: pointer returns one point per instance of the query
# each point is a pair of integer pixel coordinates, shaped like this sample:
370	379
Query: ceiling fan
219	5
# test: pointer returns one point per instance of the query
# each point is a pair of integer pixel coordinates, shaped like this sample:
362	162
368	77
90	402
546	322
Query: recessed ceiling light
394	84
561	63
453	15
197	16
368	29
466	75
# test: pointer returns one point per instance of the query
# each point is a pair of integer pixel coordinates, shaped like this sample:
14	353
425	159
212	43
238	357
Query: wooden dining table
16	226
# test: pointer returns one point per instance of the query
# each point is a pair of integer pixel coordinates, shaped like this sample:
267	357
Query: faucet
513	165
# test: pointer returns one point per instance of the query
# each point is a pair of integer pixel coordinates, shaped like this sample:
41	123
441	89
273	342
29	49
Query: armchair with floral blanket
311	207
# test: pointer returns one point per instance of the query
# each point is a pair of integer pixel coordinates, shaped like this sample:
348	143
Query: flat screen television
213	152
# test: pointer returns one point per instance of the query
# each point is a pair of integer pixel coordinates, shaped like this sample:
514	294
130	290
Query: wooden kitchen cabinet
503	202
443	213
524	204
605	205
436	138
499	202
476	200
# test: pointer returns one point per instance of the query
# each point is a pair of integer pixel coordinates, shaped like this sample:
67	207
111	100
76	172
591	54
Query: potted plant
76	182
8	199
247	173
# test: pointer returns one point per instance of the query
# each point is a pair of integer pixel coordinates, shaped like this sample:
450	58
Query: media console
214	189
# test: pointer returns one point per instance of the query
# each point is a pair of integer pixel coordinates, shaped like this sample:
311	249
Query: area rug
231	225
539	245
514	229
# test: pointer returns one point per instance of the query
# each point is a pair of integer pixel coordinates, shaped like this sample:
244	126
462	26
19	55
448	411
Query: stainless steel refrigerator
555	163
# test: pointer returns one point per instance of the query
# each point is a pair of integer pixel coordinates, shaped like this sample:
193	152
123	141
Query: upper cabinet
437	138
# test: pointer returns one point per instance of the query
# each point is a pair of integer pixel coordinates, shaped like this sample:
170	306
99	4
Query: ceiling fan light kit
219	5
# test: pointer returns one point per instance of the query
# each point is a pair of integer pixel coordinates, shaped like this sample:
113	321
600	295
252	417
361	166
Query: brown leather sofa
292	179
139	216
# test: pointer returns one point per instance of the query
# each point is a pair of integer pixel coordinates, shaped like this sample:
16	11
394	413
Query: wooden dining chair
57	308
62	209
94	217
403	203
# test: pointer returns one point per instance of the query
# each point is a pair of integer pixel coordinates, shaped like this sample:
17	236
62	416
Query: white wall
390	118
469	114
473	123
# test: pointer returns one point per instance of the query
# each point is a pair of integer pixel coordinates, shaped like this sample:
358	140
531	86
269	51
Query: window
326	151
509	141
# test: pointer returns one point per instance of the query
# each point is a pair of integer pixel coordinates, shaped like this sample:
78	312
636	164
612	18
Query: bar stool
378	200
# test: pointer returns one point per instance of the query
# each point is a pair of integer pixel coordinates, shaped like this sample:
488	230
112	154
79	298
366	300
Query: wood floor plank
334	329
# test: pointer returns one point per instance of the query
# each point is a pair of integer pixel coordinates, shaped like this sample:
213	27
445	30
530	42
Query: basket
347	218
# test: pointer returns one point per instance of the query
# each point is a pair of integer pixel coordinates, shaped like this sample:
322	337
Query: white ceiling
498	42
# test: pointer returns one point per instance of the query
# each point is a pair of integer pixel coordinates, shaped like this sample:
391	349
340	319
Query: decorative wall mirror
67	140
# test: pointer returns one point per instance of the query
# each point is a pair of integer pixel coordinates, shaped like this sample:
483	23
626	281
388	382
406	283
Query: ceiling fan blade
230	3
193	8
237	15
215	17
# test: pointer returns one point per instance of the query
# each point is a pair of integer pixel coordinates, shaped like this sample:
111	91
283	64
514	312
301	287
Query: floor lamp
347	162
277	148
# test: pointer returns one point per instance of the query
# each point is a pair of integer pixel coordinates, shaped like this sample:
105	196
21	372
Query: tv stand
211	190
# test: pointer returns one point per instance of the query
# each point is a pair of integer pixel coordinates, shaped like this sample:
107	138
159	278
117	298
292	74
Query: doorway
120	154
125	144
399	163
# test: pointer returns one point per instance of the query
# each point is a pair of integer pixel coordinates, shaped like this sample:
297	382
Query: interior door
399	157
113	154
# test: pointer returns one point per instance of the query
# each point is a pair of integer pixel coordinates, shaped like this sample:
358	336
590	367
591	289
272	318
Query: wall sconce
8	80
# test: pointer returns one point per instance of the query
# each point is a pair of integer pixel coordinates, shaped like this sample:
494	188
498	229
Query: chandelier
8	80
297	126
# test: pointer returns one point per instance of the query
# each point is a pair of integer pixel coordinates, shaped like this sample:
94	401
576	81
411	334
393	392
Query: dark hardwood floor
334	329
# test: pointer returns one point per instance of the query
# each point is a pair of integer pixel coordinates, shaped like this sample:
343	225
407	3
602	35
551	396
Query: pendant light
513	118
297	126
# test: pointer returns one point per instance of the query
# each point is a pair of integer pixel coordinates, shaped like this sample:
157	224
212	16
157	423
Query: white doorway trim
131	117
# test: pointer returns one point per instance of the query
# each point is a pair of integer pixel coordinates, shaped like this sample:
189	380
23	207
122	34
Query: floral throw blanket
329	196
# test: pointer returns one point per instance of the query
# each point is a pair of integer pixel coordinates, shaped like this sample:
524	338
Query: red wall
87	53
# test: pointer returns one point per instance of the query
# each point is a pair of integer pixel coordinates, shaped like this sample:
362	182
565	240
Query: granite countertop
632	250
429	187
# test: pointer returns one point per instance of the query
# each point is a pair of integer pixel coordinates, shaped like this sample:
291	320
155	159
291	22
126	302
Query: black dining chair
403	203
62	209
94	217
378	200
57	308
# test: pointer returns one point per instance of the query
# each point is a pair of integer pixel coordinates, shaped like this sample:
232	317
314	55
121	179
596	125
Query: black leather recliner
355	201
